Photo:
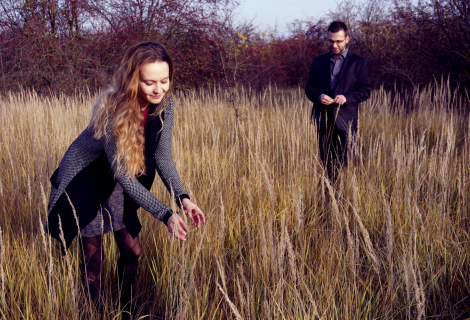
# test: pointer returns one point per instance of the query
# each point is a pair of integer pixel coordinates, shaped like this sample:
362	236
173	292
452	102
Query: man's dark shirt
335	67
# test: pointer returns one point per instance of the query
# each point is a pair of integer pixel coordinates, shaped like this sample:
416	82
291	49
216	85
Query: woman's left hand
193	212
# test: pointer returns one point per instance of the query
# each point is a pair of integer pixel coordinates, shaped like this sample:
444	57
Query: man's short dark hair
337	26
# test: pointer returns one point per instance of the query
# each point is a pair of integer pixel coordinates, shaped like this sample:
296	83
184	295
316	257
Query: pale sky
267	12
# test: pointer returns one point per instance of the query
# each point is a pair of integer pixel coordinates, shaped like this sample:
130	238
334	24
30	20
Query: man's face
337	42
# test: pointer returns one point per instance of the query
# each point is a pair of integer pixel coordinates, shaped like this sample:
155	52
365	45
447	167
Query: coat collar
343	55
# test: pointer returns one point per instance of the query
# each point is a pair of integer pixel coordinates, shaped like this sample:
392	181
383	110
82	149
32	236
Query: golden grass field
388	240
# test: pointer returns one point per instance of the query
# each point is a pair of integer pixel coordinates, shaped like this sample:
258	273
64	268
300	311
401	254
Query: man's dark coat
353	82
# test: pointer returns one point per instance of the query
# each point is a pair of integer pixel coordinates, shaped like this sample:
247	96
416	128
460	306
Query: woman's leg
91	265
128	264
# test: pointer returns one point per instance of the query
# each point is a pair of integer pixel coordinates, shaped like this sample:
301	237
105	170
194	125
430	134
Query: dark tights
128	263
91	265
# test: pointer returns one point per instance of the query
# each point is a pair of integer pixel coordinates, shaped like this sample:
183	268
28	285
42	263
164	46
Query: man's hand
340	99
193	212
324	99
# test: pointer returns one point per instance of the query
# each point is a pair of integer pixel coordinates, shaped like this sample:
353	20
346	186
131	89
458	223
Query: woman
107	172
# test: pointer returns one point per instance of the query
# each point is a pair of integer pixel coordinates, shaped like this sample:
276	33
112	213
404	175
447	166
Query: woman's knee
92	249
132	252
129	247
136	252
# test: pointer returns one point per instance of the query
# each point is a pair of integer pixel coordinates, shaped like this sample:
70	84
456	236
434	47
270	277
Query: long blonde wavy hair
119	107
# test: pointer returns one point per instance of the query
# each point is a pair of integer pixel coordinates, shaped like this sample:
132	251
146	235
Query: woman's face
154	82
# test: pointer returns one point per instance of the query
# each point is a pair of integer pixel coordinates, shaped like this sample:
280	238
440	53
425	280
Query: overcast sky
267	12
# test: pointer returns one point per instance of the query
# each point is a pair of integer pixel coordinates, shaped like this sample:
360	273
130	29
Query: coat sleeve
311	89
131	186
164	161
363	86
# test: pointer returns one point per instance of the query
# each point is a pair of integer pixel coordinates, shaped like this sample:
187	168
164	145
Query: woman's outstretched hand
176	224
177	227
193	212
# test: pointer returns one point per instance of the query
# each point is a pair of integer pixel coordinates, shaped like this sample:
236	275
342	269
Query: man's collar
343	55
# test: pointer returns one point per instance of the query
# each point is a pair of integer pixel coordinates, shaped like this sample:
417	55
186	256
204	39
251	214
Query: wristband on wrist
180	199
167	217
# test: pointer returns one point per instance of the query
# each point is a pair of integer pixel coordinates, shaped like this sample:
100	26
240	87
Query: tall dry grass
388	240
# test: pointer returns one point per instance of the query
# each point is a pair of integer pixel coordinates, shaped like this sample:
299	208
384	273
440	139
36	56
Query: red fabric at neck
145	113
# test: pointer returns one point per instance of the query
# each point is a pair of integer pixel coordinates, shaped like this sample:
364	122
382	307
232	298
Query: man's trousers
334	146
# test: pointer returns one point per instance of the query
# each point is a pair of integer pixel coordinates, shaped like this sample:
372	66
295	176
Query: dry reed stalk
264	246
267	310
110	218
323	192
171	290
75	212
334	203
43	196
240	295
43	234
248	291
369	247
51	263
51	268
420	217
11	160
419	160
365	234
406	266
378	162
459	182
248	194
282	246
190	286
389	236
410	277
30	198
1	188
351	246
419	293
102	220
299	212
270	218
300	300
341	189
2	272
398	154
310	299
182	305
223	289
432	167
450	146
292	257
221	224
250	209
44	243
356	205
415	272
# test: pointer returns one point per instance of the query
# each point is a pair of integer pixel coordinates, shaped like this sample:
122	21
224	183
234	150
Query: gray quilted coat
85	179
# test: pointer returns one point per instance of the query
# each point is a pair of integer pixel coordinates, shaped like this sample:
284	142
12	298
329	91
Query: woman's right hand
177	227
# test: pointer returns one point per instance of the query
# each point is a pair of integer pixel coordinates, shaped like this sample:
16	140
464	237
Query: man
338	81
